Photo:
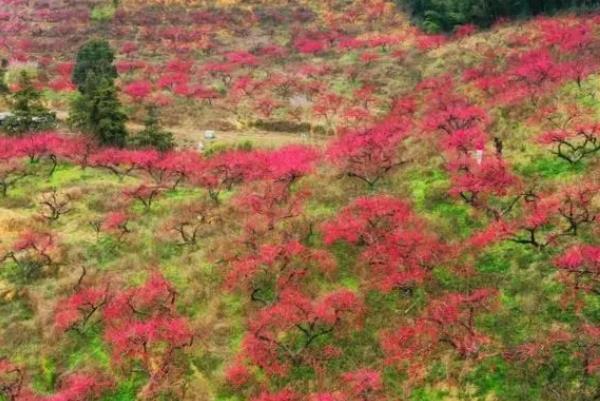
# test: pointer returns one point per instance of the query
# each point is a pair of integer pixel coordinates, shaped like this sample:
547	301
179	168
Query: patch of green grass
456	217
105	250
592	309
496	259
91	349
126	390
67	174
489	377
447	279
45	380
427	187
549	166
428	394
22	273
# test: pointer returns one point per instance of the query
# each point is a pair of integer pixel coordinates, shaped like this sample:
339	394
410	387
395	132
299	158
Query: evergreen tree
29	113
27	99
97	110
153	136
94	58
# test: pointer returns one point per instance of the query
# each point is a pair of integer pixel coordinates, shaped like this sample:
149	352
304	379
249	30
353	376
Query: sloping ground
431	253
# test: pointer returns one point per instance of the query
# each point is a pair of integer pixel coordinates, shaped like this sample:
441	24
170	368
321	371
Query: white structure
210	135
300	101
478	156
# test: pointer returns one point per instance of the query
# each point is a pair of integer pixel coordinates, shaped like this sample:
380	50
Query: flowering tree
447	321
564	213
138	90
116	222
282	334
31	252
573	145
74	387
272	269
368	155
12	379
145	194
476	181
74	312
396	248
141	326
579	267
363	385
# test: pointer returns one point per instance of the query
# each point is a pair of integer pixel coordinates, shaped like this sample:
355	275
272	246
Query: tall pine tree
96	109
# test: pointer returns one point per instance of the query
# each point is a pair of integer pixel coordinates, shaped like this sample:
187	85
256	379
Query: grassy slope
529	294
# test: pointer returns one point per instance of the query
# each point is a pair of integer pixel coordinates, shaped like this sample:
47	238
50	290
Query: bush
281	126
153	136
20	123
103	13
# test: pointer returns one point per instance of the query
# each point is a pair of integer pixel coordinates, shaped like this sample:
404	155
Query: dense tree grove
299	200
445	15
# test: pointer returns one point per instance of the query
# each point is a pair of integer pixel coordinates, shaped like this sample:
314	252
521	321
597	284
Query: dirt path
191	136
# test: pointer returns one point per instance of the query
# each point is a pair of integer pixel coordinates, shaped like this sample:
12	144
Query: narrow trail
190	136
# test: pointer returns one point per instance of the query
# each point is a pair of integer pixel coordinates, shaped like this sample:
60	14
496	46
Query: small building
210	135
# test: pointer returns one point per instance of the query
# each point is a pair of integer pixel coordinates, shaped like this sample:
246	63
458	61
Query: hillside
384	214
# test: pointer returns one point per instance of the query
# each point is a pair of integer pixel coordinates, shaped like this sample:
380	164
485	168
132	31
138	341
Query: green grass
549	167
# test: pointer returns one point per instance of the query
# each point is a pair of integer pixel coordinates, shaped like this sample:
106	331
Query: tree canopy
445	15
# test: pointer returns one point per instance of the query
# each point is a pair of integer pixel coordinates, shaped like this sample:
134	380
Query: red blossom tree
476	181
369	155
116	222
143	326
550	217
580	268
397	249
74	312
448	321
145	194
141	323
364	385
272	269
138	90
31	251
573	145
12	380
283	333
